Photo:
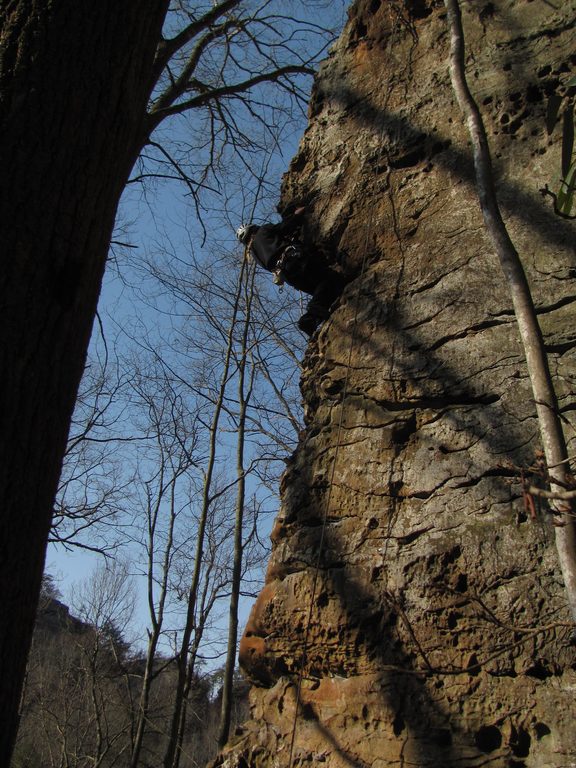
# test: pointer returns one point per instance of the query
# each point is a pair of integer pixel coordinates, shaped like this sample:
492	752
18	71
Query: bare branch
167	48
184	82
225	91
542	493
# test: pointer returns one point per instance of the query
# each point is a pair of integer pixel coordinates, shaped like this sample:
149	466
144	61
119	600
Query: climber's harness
288	259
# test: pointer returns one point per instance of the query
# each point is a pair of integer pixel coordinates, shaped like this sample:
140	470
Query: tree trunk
74	84
186	663
244	394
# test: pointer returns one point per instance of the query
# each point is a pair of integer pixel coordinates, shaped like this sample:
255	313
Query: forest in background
84	681
170	477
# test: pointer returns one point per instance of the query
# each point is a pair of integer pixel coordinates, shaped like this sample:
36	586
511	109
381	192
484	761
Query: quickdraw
290	254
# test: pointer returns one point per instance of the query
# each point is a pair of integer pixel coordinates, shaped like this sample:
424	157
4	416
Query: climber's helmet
245	232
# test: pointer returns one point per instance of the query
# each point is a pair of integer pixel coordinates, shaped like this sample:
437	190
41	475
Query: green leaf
552	111
565	196
571	82
567	139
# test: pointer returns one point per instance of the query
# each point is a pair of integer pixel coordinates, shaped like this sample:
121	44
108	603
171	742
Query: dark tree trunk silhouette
75	77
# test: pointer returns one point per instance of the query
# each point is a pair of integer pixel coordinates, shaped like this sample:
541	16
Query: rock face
413	602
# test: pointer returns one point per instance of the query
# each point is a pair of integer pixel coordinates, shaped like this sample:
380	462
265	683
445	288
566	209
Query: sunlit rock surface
410	594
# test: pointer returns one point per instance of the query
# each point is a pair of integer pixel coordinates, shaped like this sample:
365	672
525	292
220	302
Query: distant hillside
54	616
82	694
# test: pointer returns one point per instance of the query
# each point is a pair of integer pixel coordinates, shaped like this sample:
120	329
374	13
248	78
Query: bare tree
93	487
163	469
175	446
186	657
223	374
106	603
245	385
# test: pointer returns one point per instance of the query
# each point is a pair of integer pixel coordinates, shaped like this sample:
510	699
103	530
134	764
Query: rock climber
279	249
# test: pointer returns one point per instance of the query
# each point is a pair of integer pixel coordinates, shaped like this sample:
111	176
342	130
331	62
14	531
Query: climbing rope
327	504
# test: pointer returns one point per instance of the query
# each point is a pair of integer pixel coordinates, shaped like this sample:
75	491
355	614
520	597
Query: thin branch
184	81
167	48
215	94
533	490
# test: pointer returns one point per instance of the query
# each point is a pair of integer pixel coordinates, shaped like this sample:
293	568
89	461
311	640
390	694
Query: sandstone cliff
410	590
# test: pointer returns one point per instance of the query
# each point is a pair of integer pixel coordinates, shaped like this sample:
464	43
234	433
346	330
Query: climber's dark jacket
303	267
270	240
